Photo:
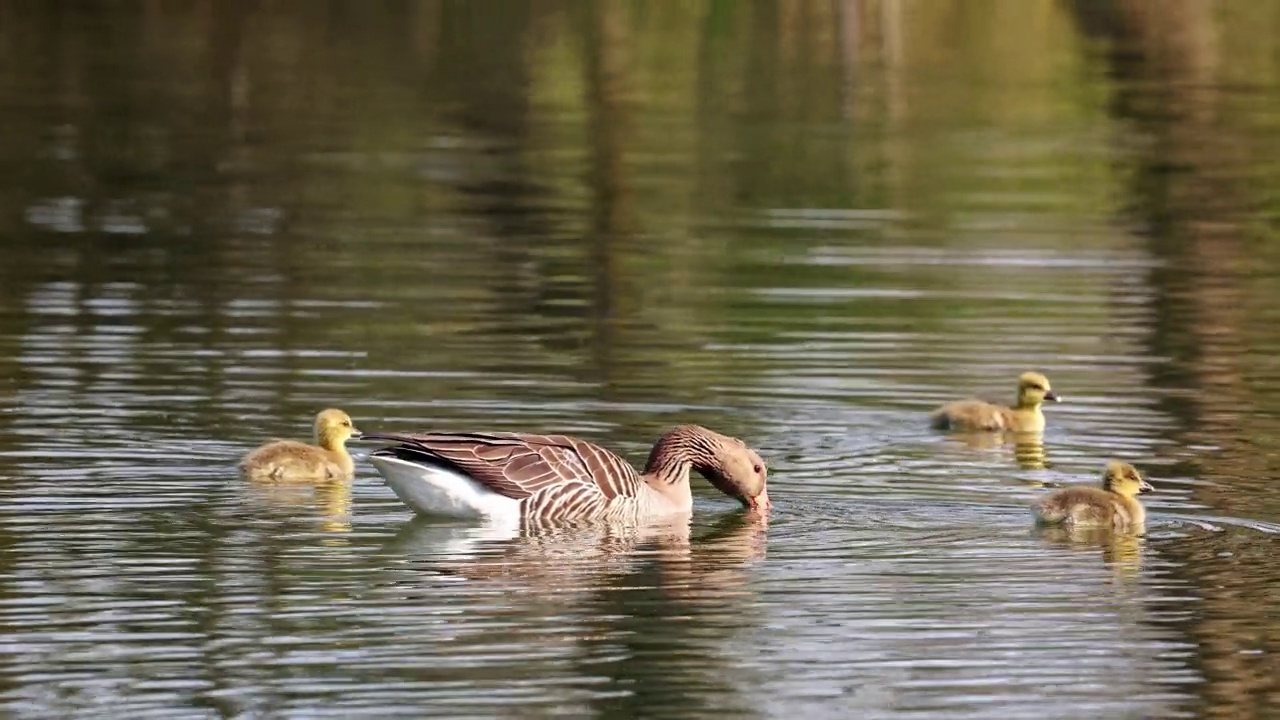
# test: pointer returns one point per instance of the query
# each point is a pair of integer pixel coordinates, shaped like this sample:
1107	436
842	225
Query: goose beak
356	434
1145	487
759	503
1051	395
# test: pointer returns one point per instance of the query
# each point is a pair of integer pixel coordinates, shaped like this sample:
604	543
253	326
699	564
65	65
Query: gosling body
293	461
981	416
1113	505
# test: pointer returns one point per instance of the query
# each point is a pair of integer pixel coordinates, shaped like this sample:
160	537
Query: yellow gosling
1114	505
978	415
292	461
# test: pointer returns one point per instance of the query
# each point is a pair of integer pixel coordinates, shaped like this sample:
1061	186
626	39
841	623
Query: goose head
1124	479
740	472
334	428
1033	390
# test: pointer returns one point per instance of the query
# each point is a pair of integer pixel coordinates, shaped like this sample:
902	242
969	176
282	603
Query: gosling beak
1051	395
1145	487
356	434
759	503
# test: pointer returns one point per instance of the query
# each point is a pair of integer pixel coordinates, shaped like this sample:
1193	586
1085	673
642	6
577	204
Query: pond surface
805	224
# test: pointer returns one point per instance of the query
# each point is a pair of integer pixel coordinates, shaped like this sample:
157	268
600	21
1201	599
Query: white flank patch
431	490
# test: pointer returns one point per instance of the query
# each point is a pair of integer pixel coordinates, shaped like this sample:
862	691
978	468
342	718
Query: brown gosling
292	461
977	415
1114	505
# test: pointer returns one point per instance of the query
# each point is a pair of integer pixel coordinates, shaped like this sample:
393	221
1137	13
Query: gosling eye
346	423
757	468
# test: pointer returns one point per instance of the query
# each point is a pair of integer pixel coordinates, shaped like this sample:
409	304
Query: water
804	224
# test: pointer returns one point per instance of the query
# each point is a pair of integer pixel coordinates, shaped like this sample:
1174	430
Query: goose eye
346	423
757	469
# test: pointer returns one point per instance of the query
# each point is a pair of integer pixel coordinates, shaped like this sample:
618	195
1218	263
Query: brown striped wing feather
521	465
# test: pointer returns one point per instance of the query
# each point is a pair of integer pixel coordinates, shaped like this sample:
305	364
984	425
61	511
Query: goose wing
520	465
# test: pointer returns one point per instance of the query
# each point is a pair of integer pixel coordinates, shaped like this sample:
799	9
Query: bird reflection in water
1028	447
644	609
583	557
330	500
1121	550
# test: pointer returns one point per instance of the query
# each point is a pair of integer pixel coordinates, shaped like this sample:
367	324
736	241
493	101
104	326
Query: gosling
292	461
977	415
1114	505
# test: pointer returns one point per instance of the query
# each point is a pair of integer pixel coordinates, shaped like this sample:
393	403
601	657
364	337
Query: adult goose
978	415
520	476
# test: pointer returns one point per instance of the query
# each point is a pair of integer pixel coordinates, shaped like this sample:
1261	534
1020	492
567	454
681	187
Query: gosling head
1124	479
1033	390
334	428
740	472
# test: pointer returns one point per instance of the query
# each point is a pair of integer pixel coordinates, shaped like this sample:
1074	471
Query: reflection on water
1120	551
805	224
328	501
1027	448
549	560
